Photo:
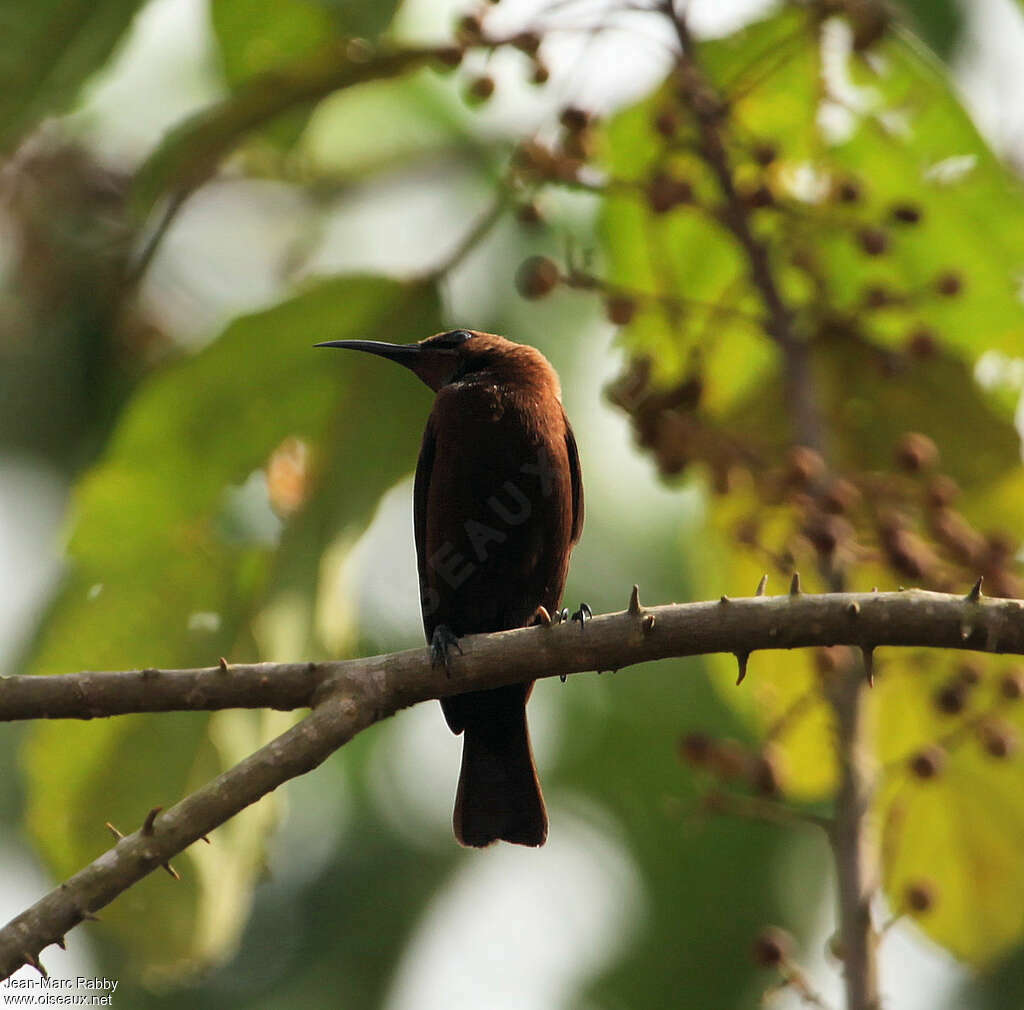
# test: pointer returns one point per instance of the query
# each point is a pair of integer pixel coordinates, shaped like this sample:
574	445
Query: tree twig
709	110
348	696
913	617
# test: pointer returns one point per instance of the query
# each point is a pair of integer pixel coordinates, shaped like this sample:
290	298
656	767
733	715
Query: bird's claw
583	615
441	641
563	615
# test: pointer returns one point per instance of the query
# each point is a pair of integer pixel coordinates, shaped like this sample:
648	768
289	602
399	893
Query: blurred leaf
50	48
165	571
960	832
781	698
258	39
939	23
870	399
918	149
344	139
254	39
191	153
921	177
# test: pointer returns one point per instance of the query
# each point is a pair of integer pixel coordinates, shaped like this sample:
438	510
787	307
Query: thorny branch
709	110
348	696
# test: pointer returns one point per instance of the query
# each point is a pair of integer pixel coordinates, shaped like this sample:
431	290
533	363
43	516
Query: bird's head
447	357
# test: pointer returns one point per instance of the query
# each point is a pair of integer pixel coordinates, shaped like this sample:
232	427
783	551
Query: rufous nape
498	506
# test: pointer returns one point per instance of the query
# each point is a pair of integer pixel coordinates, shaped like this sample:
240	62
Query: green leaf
343	139
171	564
254	39
939	23
960	832
192	152
50	49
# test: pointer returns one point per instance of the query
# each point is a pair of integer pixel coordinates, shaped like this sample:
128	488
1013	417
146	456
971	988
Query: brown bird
498	506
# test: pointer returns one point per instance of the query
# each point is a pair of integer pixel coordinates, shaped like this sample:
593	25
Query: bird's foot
441	643
542	617
561	616
583	615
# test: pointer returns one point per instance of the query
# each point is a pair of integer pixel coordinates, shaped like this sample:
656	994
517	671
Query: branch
348	696
710	110
282	686
913	617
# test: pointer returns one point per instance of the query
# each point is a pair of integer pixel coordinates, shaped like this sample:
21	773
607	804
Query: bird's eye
453	338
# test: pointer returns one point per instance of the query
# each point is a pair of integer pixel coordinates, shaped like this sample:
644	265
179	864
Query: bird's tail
499	795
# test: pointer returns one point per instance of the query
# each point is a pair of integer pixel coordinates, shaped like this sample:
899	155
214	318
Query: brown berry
970	673
469	30
922	343
540	73
574	118
772	947
1011	685
803	466
873	241
942	491
527	42
665	192
696	748
916	452
666	123
480	89
927	763
620	309
949	284
951	698
450	57
840	496
920	897
849	191
529	213
905	213
537	277
999	739
876	296
758	197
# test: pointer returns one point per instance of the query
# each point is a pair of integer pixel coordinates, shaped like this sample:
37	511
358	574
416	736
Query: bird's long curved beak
402	353
434	365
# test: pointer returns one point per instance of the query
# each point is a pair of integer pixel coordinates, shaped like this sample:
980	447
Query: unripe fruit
537	277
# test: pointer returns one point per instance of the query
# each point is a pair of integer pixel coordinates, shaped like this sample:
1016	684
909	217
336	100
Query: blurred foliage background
193	193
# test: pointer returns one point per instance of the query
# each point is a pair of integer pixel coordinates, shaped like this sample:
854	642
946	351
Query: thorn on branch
741	659
762	585
34	961
117	834
223	664
634	601
868	653
975	594
724	599
794	585
61	942
148	824
171	870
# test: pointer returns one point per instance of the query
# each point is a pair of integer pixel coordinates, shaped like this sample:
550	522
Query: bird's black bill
404	353
434	365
